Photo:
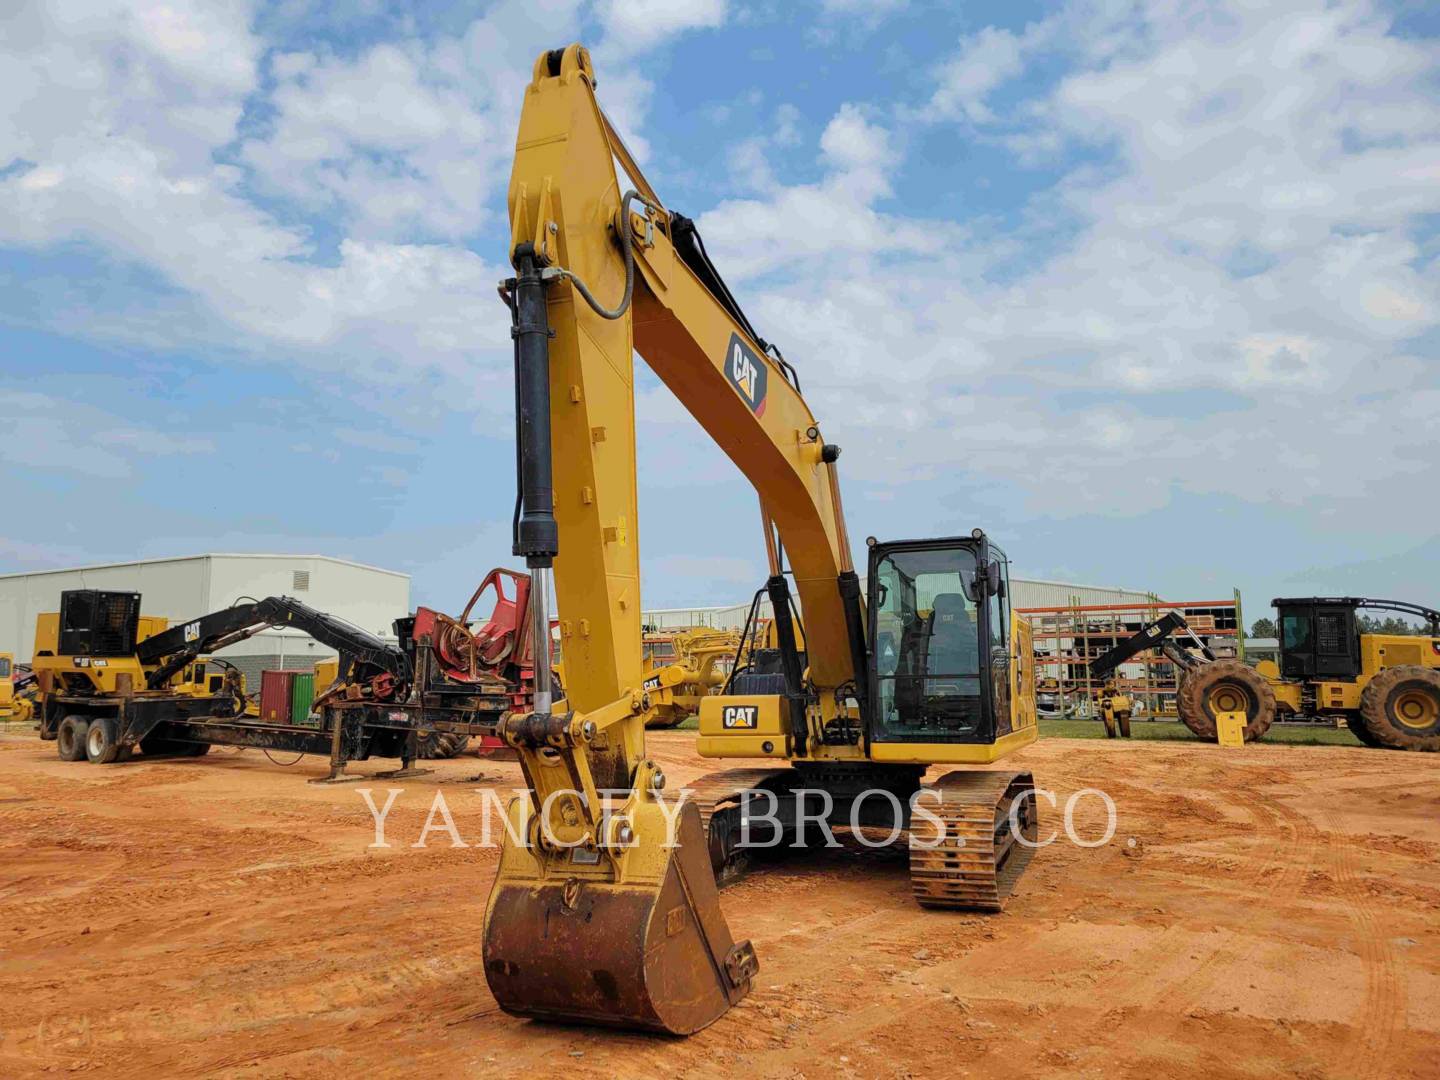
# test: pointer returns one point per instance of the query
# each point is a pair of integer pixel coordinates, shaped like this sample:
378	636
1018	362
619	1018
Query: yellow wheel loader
1386	687
605	906
682	667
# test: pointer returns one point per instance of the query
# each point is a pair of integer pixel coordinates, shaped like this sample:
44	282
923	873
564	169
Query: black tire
1204	688
1123	719
1400	708
438	745
70	738
1360	731
100	745
153	745
1108	721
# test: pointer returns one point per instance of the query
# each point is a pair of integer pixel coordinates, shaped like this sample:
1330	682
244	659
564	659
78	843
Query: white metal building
183	588
1024	593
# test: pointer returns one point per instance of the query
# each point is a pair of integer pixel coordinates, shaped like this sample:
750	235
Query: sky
1147	291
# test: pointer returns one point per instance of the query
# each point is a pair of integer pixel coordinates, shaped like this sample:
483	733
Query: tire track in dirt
1183	998
1275	870
1383	1009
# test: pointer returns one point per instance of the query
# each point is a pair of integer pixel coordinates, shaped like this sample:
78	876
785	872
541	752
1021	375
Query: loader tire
1357	727
70	738
1400	708
440	744
1123	719
1225	686
101	747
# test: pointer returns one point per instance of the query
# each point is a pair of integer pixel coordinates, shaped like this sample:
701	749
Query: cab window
1295	633
927	645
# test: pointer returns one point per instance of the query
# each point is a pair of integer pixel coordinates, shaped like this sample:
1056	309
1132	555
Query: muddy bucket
653	953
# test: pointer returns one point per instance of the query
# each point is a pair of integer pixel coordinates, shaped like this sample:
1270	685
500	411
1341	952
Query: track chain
979	858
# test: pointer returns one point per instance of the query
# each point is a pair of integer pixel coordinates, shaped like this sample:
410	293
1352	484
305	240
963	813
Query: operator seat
954	644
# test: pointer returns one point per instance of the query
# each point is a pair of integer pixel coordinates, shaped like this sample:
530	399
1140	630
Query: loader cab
939	612
1319	637
97	622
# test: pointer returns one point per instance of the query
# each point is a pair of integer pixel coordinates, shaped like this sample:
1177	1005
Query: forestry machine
594	917
1386	687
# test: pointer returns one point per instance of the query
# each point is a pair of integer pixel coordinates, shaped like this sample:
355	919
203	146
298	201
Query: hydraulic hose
627	247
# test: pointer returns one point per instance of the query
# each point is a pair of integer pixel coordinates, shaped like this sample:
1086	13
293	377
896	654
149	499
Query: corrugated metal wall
1024	593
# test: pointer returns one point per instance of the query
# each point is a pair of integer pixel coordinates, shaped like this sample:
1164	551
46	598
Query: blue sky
1146	290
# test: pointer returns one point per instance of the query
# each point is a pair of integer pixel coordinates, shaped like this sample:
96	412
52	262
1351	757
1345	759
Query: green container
302	693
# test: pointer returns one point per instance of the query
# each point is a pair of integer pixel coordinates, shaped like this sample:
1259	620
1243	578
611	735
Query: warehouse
182	588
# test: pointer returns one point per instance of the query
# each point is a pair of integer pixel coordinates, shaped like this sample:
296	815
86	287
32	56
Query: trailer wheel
153	745
70	738
100	745
1225	686
1401	708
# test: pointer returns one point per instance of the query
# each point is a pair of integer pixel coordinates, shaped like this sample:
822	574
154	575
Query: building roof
206	555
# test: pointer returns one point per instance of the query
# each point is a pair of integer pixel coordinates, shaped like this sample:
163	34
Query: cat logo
747	373
192	632
746	717
652	683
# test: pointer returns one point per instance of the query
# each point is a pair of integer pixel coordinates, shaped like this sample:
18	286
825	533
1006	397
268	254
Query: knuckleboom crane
594	917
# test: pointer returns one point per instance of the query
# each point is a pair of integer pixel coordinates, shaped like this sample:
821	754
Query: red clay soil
1276	916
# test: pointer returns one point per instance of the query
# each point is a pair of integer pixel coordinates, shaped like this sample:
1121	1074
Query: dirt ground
1276	915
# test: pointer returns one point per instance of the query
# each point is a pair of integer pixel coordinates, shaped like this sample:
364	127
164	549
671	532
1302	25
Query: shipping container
275	696
302	693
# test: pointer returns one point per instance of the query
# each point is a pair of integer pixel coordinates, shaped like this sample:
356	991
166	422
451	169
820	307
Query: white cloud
1226	308
635	25
984	61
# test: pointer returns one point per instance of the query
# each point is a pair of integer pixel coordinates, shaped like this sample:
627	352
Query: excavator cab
938	619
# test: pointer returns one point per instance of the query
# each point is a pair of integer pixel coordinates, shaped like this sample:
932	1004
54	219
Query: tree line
1369	624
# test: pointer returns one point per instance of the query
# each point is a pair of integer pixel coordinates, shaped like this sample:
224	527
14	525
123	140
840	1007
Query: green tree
1263	628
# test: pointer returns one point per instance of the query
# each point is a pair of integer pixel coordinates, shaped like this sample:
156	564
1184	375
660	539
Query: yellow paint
1230	728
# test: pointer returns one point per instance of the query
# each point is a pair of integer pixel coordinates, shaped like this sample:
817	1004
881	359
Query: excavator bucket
652	952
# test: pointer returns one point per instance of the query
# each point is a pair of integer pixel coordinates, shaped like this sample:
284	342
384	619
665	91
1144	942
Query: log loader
113	680
605	909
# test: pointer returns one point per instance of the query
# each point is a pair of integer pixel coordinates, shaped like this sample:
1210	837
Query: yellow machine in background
15	707
595	915
682	667
1386	687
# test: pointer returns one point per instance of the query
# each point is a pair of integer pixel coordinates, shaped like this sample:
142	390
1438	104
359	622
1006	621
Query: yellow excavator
605	908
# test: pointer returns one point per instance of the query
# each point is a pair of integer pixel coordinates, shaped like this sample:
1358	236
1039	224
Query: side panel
741	726
953	753
1023	714
1378	651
